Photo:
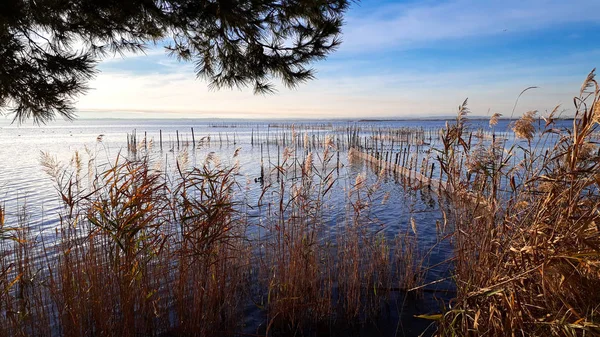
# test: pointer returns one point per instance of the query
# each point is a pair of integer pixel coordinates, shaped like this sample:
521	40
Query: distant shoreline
362	120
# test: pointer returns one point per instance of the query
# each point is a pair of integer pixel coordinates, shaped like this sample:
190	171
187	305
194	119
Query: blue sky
398	59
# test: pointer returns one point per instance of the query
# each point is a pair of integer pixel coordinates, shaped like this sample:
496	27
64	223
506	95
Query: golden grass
524	127
494	119
138	253
531	266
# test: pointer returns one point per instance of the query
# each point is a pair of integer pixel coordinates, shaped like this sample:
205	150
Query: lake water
23	181
24	185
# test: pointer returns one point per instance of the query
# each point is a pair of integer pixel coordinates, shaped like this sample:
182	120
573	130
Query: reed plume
524	127
494	119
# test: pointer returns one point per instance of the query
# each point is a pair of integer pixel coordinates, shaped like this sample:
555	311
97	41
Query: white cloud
403	25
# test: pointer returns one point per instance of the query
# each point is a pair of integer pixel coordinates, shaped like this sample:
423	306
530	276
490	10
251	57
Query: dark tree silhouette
49	48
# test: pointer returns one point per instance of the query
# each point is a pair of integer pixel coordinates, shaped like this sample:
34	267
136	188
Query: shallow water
25	186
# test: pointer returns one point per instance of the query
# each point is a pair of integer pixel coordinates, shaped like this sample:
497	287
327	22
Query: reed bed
530	264
143	251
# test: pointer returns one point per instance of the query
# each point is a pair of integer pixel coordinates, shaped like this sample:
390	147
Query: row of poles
409	148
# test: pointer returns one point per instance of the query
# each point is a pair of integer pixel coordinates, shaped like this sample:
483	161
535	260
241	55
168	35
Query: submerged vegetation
142	250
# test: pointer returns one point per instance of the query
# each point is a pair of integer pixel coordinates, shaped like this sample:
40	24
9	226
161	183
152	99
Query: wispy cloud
409	25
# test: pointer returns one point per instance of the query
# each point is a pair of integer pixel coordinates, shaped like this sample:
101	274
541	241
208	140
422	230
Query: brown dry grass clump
140	251
530	265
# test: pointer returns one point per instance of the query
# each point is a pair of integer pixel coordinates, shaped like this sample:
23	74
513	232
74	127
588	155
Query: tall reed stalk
527	242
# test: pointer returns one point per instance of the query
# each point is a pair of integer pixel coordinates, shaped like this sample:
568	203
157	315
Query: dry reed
530	266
